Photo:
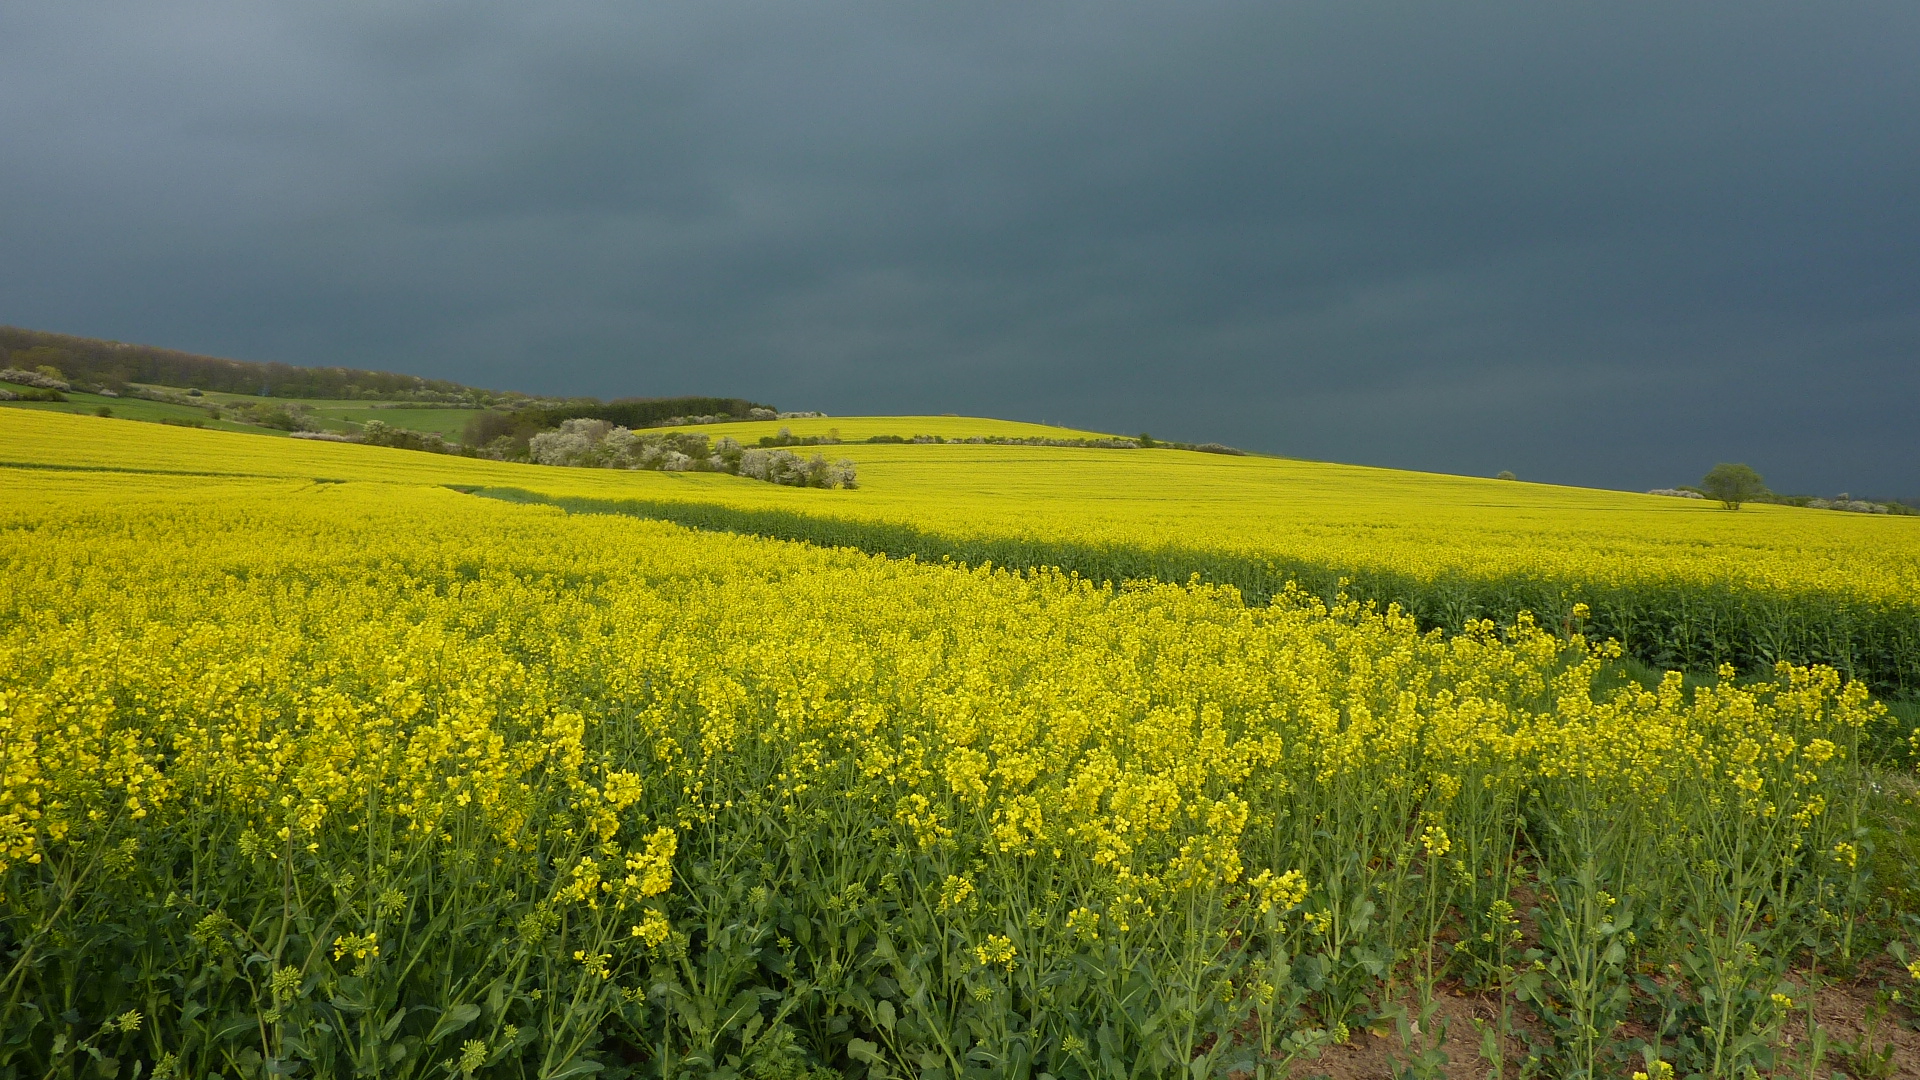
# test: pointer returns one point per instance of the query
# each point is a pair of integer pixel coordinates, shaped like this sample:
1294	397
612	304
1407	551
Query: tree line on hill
1733	485
94	364
507	433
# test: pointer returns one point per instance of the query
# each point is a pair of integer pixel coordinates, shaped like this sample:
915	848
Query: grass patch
133	408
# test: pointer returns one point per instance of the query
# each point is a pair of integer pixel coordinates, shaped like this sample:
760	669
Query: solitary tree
1733	485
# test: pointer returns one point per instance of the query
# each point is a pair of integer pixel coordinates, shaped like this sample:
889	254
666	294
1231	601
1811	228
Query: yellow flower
653	928
955	892
650	873
996	951
1283	892
362	946
1084	924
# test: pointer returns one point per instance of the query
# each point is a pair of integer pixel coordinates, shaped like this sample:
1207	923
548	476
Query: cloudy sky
1598	243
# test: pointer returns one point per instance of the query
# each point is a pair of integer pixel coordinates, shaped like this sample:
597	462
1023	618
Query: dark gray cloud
1606	244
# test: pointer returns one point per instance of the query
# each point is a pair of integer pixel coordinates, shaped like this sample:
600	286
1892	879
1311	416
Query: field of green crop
347	416
350	415
132	408
330	415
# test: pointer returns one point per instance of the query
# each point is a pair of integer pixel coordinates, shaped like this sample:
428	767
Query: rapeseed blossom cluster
382	778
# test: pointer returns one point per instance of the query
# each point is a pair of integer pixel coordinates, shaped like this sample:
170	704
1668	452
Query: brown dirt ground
1370	1055
1844	1010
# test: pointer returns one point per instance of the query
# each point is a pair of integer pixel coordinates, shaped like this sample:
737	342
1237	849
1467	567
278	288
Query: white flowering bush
574	442
38	379
599	444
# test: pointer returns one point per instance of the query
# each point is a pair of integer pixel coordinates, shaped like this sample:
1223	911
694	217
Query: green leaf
453	1020
576	1067
235	1025
862	1050
1109	1050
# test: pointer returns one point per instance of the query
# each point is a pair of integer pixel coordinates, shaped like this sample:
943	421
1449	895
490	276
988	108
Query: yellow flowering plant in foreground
368	779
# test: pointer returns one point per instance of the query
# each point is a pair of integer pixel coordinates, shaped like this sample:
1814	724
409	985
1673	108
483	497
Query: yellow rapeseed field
1680	583
1347	517
312	766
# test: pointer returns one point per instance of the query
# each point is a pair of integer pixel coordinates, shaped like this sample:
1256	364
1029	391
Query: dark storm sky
1598	243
